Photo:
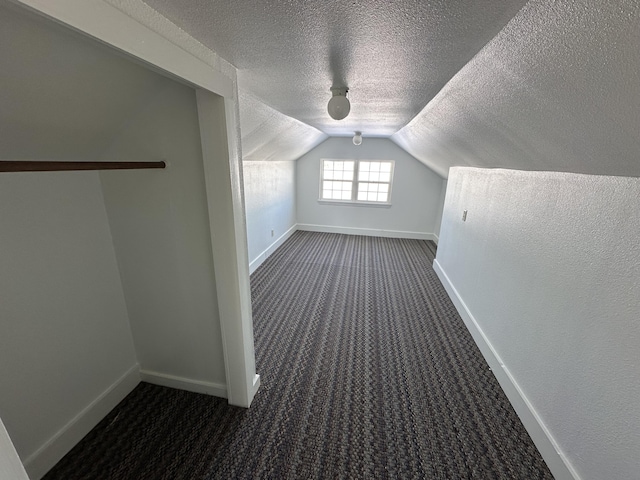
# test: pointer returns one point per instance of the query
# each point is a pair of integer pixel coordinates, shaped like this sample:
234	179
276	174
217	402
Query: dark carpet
367	372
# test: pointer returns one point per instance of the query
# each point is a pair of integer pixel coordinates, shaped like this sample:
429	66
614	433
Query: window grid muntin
337	179
370	180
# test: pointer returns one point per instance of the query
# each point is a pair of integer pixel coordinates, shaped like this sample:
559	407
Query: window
356	181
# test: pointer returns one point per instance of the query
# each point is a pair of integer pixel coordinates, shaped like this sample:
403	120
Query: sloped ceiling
270	135
393	56
73	111
557	89
543	85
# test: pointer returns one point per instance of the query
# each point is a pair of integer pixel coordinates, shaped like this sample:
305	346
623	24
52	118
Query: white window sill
349	203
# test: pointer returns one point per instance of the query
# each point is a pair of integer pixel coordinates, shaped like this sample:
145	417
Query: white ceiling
393	56
557	89
270	135
543	85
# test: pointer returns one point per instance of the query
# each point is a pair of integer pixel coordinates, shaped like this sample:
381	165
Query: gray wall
64	335
415	192
65	340
160	227
270	202
548	265
62	96
76	265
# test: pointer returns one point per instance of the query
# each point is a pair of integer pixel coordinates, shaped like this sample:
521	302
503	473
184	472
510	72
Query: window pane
374	180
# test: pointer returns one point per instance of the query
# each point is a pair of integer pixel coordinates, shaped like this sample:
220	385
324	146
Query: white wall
64	335
443	192
415	193
270	202
160	226
548	264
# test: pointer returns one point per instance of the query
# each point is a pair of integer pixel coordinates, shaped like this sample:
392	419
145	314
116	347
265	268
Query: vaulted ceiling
393	56
538	85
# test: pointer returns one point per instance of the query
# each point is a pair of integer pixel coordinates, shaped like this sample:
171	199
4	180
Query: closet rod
52	166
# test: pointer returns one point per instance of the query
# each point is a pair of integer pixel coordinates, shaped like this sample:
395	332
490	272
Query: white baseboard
254	387
436	239
256	262
559	465
369	232
43	459
182	383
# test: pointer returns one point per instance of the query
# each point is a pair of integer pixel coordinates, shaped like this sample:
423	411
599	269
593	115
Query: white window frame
354	187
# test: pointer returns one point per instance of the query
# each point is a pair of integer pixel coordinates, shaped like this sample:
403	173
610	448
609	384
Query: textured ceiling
269	135
557	89
394	56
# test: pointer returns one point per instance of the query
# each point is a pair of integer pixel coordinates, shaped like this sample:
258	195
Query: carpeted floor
367	373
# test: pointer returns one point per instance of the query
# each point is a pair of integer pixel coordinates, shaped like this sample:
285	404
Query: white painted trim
436	239
557	462
256	384
50	453
182	383
370	232
109	25
354	203
222	176
10	464
256	262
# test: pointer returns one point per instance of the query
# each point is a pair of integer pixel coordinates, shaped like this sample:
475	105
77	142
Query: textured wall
415	190
160	227
549	266
270	199
64	334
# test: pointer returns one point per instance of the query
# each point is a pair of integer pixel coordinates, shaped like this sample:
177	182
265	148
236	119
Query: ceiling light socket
339	105
357	138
